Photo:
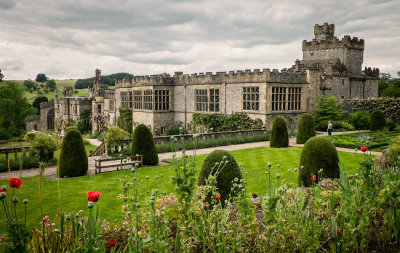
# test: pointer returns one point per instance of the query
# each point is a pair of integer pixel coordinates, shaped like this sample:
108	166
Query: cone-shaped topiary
279	133
227	175
318	153
143	144
305	129
73	161
378	121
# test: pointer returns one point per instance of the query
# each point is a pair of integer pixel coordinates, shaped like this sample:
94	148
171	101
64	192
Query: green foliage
1	76
378	121
329	109
37	101
41	78
18	236
318	153
51	85
305	129
174	129
45	146
347	126
29	85
115	136
389	107
107	80
72	161
125	119
360	120
219	123
389	86
30	136
14	108
143	144
226	172
28	162
279	133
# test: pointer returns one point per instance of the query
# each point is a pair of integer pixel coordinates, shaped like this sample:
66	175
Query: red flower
15	182
2	191
313	179
339	232
290	236
281	238
112	243
218	196
364	148
93	196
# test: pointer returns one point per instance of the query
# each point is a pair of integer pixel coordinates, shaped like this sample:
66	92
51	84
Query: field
74	190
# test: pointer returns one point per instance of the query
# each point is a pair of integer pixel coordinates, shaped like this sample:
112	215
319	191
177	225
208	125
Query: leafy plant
378	121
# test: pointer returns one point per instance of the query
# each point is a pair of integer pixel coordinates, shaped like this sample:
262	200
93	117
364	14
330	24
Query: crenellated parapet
346	41
47	104
371	72
31	118
241	76
109	93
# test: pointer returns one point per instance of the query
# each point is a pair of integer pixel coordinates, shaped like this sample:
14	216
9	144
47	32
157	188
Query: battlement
161	79
32	118
47	104
371	72
241	76
324	32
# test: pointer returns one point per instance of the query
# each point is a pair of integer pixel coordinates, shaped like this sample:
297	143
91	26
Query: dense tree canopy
29	85
107	80
37	101
389	86
13	110
51	85
329	109
41	78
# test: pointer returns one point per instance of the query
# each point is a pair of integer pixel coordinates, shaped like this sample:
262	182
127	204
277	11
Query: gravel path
51	172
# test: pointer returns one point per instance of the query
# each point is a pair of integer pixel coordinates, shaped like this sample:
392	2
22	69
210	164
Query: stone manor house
330	67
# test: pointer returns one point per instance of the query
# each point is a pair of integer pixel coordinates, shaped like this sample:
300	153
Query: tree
329	109
279	133
115	136
143	144
37	101
125	119
73	161
305	129
41	78
14	108
389	86
29	85
1	76
51	85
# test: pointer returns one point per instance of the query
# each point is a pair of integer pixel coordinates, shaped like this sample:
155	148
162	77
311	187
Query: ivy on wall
219	123
389	106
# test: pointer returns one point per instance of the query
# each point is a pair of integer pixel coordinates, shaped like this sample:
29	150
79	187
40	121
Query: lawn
74	190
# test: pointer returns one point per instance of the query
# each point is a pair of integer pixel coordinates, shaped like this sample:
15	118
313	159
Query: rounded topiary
227	175
378	121
318	153
30	136
305	129
73	161
143	144
279	133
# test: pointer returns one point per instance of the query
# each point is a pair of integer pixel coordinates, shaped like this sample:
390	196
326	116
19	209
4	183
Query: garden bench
119	162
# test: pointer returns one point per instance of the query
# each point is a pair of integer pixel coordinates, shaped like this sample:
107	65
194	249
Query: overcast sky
71	38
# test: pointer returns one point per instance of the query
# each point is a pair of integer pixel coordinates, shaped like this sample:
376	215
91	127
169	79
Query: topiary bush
227	175
318	153
378	121
143	144
305	129
279	134
72	161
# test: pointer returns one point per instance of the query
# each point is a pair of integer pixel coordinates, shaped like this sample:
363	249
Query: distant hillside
108	80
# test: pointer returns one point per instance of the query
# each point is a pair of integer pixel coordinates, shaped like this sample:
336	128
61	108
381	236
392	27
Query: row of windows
208	100
126	99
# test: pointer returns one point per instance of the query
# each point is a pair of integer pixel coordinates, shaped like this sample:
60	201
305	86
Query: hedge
73	161
143	144
279	133
305	129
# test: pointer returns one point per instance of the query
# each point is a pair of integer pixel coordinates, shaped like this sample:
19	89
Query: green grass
74	190
89	147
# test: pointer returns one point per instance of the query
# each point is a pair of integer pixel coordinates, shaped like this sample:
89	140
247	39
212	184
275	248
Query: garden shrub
322	125
125	119
391	125
219	123
174	129
389	106
305	129
318	153
28	162
279	133
45	146
29	136
347	126
143	144
378	121
115	136
226	177
72	161
360	120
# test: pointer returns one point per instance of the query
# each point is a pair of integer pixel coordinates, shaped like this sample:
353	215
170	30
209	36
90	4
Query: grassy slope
74	190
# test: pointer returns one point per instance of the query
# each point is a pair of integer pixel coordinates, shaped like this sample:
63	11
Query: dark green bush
226	177
45	146
318	153
360	120
322	125
174	129
391	125
73	161
305	129
29	162
279	133
143	144
378	121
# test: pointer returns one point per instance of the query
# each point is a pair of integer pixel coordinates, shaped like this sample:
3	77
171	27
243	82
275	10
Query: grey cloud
7	4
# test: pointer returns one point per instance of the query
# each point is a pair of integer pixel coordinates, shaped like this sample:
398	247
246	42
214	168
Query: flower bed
370	139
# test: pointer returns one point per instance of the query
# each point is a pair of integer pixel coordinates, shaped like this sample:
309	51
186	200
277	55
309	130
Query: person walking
329	128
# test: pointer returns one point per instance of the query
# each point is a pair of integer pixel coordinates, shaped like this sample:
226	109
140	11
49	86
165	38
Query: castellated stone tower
325	46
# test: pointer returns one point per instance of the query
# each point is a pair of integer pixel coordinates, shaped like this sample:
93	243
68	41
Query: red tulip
313	179
2	191
112	243
218	196
93	196
15	182
290	236
364	148
339	232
